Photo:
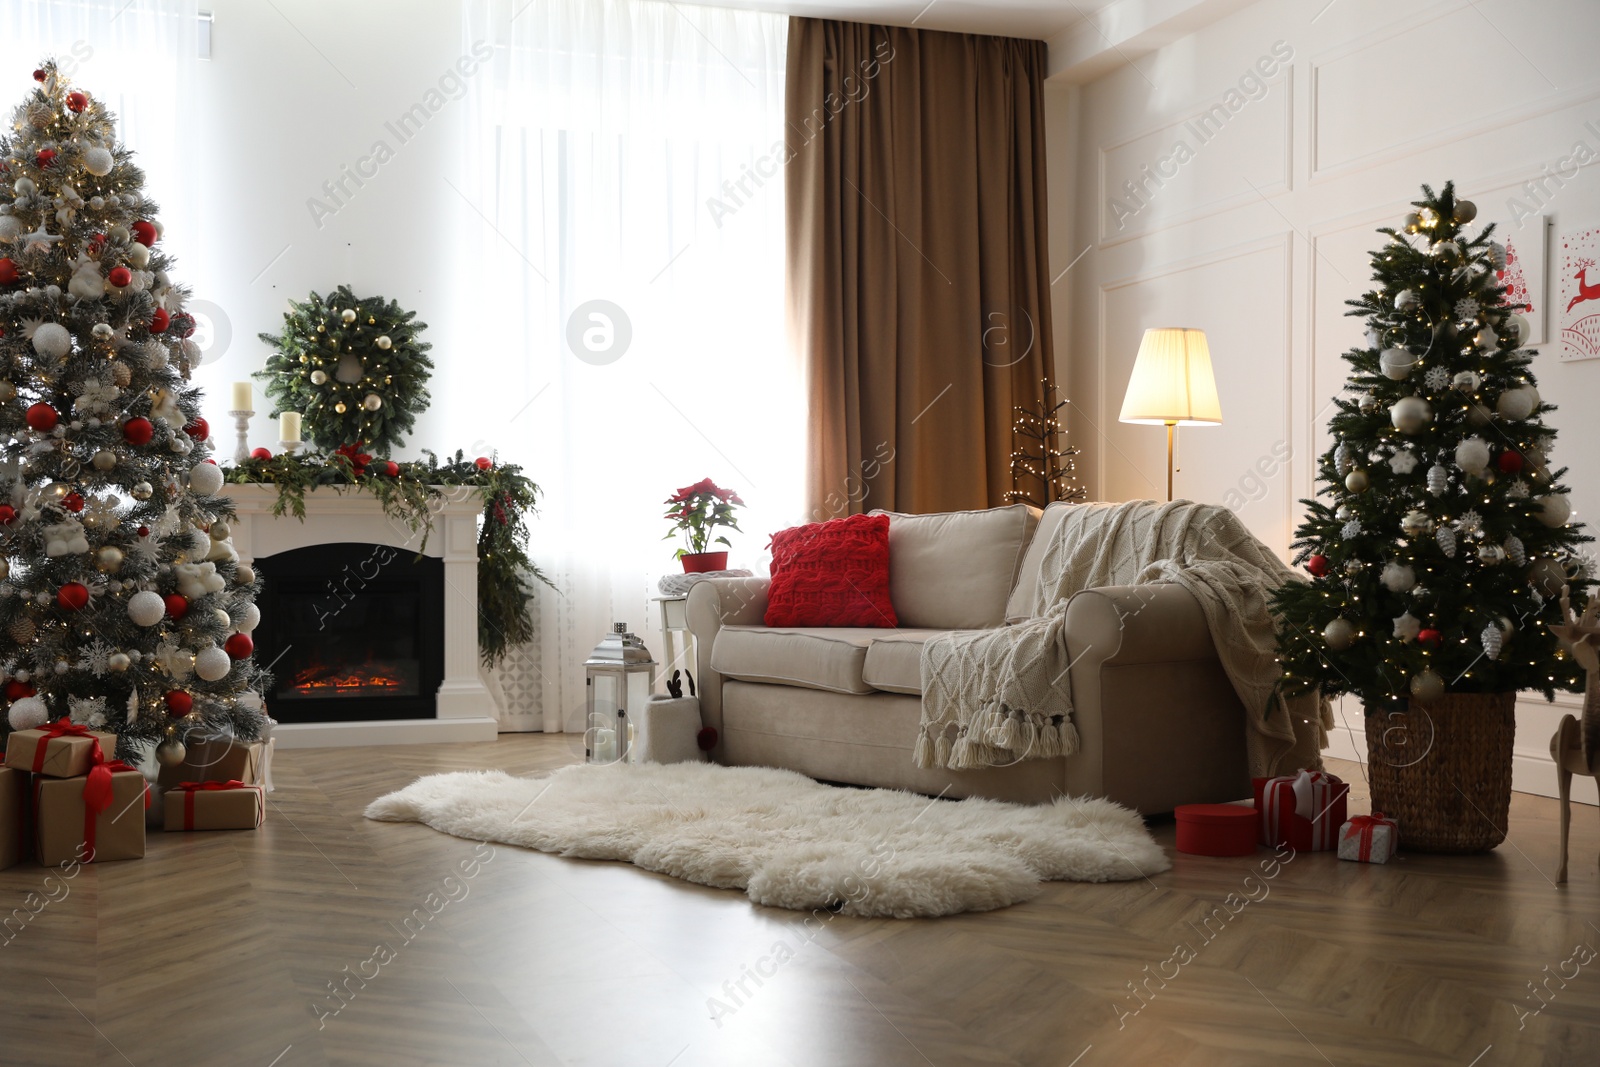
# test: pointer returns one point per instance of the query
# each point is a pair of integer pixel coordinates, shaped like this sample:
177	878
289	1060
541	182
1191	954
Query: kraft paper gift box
215	806
92	819
13	816
221	759
1369	839
60	750
1303	810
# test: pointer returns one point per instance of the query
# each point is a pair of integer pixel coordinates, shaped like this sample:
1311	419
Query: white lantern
619	678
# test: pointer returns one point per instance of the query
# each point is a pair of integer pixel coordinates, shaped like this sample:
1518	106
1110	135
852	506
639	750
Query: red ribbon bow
191	788
1363	826
65	727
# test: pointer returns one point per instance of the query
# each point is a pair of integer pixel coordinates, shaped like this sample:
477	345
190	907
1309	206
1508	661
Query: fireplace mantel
466	711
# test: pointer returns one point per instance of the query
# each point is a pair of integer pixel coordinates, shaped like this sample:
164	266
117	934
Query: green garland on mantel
410	492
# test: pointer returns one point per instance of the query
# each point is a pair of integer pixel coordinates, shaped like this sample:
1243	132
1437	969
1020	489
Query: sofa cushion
894	661
829	658
954	570
1020	604
833	573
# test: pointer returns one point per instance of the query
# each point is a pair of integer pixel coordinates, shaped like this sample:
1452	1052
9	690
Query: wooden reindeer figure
1576	746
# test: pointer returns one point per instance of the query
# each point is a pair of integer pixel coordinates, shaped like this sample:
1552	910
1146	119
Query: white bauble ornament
1396	363
1427	686
1467	381
52	341
1398	577
212	664
27	713
1438	480
383	342
319	377
372	402
1339	634
1518	403
249	619
1407	626
1410	414
1547	576
1465	211
146	608
1487	339
1553	510
1357	481
205	479
1472	455
1406	300
98	161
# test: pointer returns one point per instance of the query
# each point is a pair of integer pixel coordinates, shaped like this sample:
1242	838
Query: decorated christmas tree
123	603
1444	540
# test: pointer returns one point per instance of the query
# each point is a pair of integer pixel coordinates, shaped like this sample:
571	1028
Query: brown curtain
917	276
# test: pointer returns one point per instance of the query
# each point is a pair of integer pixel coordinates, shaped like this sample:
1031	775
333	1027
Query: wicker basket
1442	771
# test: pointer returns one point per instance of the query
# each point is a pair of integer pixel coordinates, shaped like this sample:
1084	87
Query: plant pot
700	562
1442	771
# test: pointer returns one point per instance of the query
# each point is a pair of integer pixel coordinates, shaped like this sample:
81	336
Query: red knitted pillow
833	573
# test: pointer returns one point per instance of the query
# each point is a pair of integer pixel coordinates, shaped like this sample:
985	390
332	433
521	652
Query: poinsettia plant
696	511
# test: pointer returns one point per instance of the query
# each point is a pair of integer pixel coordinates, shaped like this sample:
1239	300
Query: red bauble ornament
45	158
1317	565
144	232
179	703
16	690
76	102
121	277
261	453
72	502
7	514
39	75
199	429
1510	461
8	272
138	431
177	605
482	463
73	596
43	417
239	646
159	321
1429	637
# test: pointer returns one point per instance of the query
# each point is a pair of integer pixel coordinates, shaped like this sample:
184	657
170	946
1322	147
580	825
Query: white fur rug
788	841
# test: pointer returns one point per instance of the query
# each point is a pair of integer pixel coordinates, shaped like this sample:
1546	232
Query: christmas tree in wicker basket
1444	541
122	601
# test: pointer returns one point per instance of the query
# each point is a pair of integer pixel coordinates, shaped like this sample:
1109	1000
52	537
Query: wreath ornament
354	367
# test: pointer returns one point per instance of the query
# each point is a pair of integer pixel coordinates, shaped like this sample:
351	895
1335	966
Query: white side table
675	634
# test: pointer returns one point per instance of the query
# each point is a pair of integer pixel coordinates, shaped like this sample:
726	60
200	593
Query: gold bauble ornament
170	753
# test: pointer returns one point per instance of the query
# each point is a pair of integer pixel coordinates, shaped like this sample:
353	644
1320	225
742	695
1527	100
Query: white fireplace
463	709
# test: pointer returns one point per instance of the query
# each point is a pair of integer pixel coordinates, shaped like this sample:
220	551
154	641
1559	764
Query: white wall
1262	234
296	90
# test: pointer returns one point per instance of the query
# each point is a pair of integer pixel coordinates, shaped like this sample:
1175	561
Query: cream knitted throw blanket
993	697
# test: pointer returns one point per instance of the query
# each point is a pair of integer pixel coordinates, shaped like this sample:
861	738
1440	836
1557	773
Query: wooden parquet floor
227	948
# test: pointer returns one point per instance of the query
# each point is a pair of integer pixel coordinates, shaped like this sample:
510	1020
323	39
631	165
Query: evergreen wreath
354	367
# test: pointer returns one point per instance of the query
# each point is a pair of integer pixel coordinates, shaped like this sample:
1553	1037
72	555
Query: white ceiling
1038	19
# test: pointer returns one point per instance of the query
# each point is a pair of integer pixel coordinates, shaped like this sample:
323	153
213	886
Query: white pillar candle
289	426
241	396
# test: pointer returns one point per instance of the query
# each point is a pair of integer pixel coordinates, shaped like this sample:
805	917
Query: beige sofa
1158	722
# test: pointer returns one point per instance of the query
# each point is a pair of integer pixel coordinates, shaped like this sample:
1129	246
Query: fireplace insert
351	632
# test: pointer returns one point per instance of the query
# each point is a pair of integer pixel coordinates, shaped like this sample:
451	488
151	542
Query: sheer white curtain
138	58
622	181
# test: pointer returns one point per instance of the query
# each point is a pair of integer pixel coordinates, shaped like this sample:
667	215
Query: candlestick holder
289	448
241	422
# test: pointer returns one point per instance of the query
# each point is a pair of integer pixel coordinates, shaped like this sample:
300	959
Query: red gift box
1302	810
1216	829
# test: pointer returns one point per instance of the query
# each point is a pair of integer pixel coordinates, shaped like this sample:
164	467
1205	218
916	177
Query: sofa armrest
713	604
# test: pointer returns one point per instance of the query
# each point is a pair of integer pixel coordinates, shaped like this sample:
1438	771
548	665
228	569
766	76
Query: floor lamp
1172	385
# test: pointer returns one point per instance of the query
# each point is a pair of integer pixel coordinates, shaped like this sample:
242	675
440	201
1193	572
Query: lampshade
1172	381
